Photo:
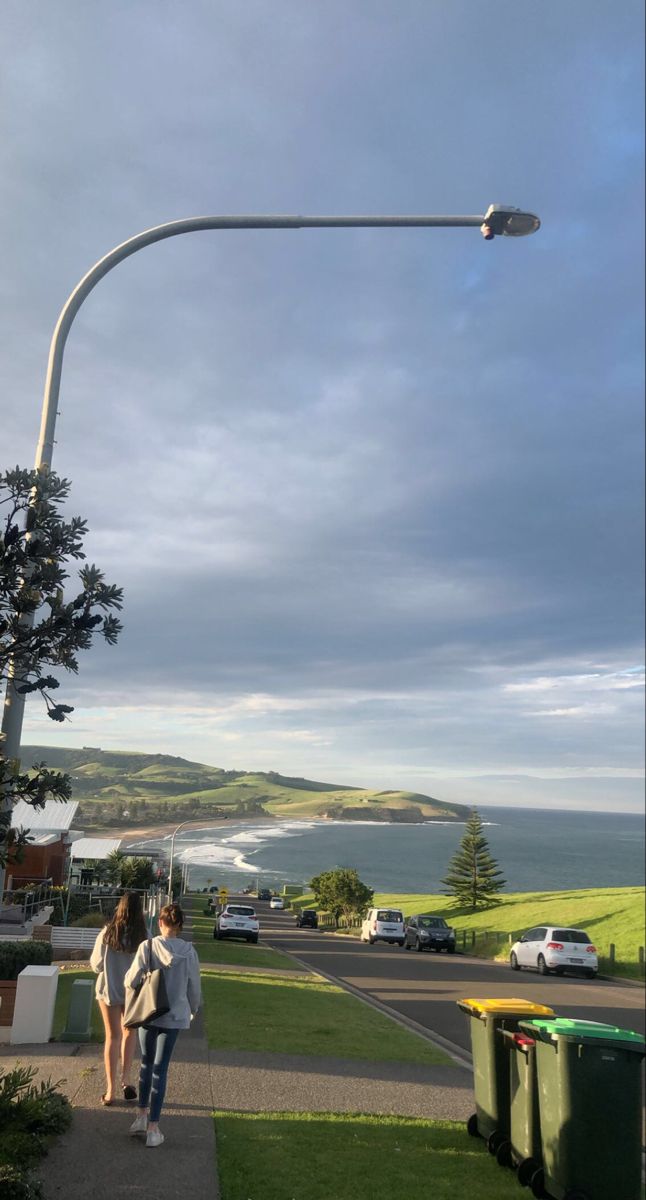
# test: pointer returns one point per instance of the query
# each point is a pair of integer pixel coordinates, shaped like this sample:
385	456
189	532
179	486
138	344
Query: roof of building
55	816
44	839
95	848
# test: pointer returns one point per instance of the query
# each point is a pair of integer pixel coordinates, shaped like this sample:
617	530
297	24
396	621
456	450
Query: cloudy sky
375	495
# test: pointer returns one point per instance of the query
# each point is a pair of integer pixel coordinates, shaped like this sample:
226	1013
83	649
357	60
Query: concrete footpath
97	1159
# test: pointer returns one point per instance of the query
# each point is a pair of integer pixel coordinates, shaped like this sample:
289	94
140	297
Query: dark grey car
426	932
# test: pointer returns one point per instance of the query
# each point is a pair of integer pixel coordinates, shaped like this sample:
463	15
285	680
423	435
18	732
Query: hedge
14	956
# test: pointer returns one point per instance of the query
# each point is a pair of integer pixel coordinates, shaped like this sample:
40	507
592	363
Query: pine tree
40	626
473	876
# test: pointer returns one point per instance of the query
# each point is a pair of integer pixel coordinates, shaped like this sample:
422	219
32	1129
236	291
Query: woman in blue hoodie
181	969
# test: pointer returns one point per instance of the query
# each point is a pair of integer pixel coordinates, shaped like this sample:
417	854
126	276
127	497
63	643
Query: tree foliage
473	876
42	628
341	893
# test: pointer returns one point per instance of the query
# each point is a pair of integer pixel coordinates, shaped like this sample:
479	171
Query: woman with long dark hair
113	954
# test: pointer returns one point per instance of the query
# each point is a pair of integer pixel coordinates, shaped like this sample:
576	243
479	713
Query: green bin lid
584	1031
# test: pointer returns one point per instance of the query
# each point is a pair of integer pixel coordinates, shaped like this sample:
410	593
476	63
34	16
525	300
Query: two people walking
124	967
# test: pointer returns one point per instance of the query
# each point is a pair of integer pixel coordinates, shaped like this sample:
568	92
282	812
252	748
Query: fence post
511	939
611	952
640	955
473	937
464	939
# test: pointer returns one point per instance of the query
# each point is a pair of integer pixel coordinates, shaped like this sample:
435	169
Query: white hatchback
277	902
237	921
549	948
383	925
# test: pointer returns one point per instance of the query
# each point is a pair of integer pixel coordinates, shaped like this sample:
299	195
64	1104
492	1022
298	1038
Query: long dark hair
126	928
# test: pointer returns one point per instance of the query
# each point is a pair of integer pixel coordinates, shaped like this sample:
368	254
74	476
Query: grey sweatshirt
110	966
181	976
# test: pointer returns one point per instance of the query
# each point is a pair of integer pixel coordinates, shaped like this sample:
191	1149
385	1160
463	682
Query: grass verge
238	954
315	1156
303	1016
63	992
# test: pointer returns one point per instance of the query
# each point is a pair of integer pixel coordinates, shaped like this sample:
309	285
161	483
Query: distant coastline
128	833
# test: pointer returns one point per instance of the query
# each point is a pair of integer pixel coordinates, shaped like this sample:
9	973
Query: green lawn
315	1156
65	981
304	1016
242	954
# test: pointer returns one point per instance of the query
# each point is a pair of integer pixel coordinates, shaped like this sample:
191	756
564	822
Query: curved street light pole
172	856
498	220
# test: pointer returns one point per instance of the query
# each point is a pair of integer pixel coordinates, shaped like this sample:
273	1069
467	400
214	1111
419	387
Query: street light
172	855
498	220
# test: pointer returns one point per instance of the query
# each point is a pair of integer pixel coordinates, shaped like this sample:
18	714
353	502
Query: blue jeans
157	1046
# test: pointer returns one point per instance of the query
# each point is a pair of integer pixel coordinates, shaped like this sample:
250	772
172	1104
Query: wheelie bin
523	1150
589	1097
491	1062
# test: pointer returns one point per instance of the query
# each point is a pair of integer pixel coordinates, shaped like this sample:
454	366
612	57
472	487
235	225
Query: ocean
537	850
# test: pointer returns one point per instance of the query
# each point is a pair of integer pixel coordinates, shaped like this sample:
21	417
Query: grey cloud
366	460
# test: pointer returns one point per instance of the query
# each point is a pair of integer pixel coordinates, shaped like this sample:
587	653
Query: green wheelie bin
491	1062
523	1150
589	1098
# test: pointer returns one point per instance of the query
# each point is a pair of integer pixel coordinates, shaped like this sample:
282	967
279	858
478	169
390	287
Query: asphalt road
425	986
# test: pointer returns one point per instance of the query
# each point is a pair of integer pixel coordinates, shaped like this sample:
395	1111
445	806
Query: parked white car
383	925
237	921
277	902
549	948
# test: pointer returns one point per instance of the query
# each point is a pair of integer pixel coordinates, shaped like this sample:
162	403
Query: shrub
14	1185
14	956
91	920
30	1115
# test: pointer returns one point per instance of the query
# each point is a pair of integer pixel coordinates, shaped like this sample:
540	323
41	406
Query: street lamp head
508	222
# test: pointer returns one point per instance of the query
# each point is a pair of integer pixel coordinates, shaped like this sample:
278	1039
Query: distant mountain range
117	786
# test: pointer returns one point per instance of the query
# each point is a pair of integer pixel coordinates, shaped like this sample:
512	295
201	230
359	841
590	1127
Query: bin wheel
503	1154
537	1184
526	1169
494	1140
472	1126
513	962
543	968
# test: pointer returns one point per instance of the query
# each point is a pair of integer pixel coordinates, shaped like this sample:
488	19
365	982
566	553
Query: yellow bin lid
503	1007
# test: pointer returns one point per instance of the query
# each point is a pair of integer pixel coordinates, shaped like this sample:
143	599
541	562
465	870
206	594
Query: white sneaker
154	1137
139	1125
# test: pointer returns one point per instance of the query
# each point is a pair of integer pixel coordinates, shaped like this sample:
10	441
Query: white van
383	925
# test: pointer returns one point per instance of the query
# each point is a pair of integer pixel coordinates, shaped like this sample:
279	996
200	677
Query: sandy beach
128	834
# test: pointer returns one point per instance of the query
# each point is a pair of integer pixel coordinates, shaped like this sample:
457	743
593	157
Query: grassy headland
152	788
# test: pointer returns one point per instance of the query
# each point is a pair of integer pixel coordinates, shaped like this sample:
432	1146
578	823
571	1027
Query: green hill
155	787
